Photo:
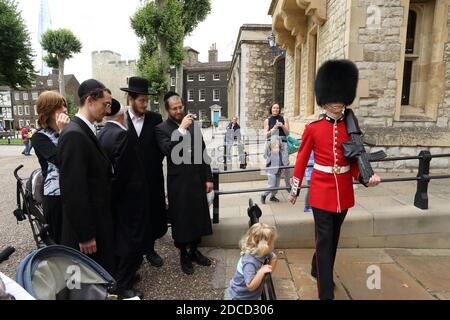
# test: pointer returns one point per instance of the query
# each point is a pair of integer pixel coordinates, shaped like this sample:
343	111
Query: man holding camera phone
189	179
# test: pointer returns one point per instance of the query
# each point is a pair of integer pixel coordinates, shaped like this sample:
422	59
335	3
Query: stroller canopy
62	273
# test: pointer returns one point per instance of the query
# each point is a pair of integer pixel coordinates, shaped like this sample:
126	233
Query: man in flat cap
85	179
129	225
331	190
150	198
189	179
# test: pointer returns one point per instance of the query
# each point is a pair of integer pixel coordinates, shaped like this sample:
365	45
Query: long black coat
85	181
131	223
152	198
186	183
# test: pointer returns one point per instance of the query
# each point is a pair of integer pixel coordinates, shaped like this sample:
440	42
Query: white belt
336	169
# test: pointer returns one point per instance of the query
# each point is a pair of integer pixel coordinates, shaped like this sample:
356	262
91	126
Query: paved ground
405	273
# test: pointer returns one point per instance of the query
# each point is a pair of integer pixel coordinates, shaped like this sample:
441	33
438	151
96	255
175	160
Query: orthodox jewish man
331	189
189	179
150	186
130	226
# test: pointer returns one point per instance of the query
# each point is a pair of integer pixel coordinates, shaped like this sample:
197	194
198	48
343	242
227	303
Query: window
17	96
201	77
201	95
216	95
34	95
190	77
50	82
20	110
35	110
173	82
15	110
190	95
21	124
37	123
27	110
27	122
25	96
216	77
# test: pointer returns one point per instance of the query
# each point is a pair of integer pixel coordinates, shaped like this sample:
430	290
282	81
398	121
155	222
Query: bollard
225	166
215	172
421	198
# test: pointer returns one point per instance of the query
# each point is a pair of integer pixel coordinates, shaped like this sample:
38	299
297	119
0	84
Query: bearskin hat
336	82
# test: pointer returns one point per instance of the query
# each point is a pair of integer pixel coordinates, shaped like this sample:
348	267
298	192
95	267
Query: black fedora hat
139	85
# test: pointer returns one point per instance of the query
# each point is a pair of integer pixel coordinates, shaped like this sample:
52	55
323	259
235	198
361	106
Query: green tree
61	45
72	109
162	26
16	54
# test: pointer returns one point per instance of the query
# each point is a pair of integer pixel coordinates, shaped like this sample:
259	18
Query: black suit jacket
85	182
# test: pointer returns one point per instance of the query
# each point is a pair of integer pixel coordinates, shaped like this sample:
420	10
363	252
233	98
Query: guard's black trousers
328	229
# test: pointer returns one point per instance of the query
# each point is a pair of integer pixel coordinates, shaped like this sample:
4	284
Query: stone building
252	81
109	68
402	49
24	99
205	85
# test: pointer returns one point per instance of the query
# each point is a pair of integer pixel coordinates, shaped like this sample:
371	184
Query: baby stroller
29	205
62	273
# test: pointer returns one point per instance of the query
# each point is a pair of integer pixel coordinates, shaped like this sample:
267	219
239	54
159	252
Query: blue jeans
27	149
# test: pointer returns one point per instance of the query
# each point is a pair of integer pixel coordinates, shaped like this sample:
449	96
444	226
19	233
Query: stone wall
259	83
113	72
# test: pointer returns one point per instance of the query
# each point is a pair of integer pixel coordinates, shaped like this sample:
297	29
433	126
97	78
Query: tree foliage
16	53
162	27
61	45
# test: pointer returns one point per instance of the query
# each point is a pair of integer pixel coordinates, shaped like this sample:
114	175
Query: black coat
85	181
186	184
130	224
152	197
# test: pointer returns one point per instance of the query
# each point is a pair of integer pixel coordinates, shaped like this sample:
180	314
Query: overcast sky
105	25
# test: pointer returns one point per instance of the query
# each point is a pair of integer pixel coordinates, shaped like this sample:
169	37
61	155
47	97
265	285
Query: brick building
24	99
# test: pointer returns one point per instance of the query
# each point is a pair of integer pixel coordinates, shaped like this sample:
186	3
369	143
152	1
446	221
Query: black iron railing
423	178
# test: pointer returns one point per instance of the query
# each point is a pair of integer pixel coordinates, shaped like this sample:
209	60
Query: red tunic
328	191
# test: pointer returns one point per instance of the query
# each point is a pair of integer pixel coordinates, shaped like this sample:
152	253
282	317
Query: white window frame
17	96
25	96
27	110
190	78
20	110
35	110
28	123
15	110
191	95
214	77
214	94
201	77
200	95
21	124
34	95
37	123
50	83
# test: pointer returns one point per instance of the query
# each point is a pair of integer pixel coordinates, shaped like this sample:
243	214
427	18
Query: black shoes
186	264
274	199
154	259
243	166
197	257
263	199
130	293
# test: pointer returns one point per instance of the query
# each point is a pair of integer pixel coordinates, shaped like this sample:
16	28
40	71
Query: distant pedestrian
25	141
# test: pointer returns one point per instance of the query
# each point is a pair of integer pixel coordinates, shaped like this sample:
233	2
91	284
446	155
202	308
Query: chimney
213	54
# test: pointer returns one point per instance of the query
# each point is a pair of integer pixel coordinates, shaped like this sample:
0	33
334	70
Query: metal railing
423	179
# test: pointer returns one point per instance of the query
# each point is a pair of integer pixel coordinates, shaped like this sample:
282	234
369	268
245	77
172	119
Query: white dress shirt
138	122
89	124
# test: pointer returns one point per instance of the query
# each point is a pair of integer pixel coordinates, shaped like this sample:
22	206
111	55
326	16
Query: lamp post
273	45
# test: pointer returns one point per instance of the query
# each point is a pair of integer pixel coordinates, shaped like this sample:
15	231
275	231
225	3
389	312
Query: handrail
423	178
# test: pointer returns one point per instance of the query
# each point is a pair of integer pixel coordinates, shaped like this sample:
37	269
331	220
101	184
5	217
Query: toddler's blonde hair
257	240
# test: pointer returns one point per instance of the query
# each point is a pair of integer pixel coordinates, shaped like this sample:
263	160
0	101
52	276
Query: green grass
15	142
